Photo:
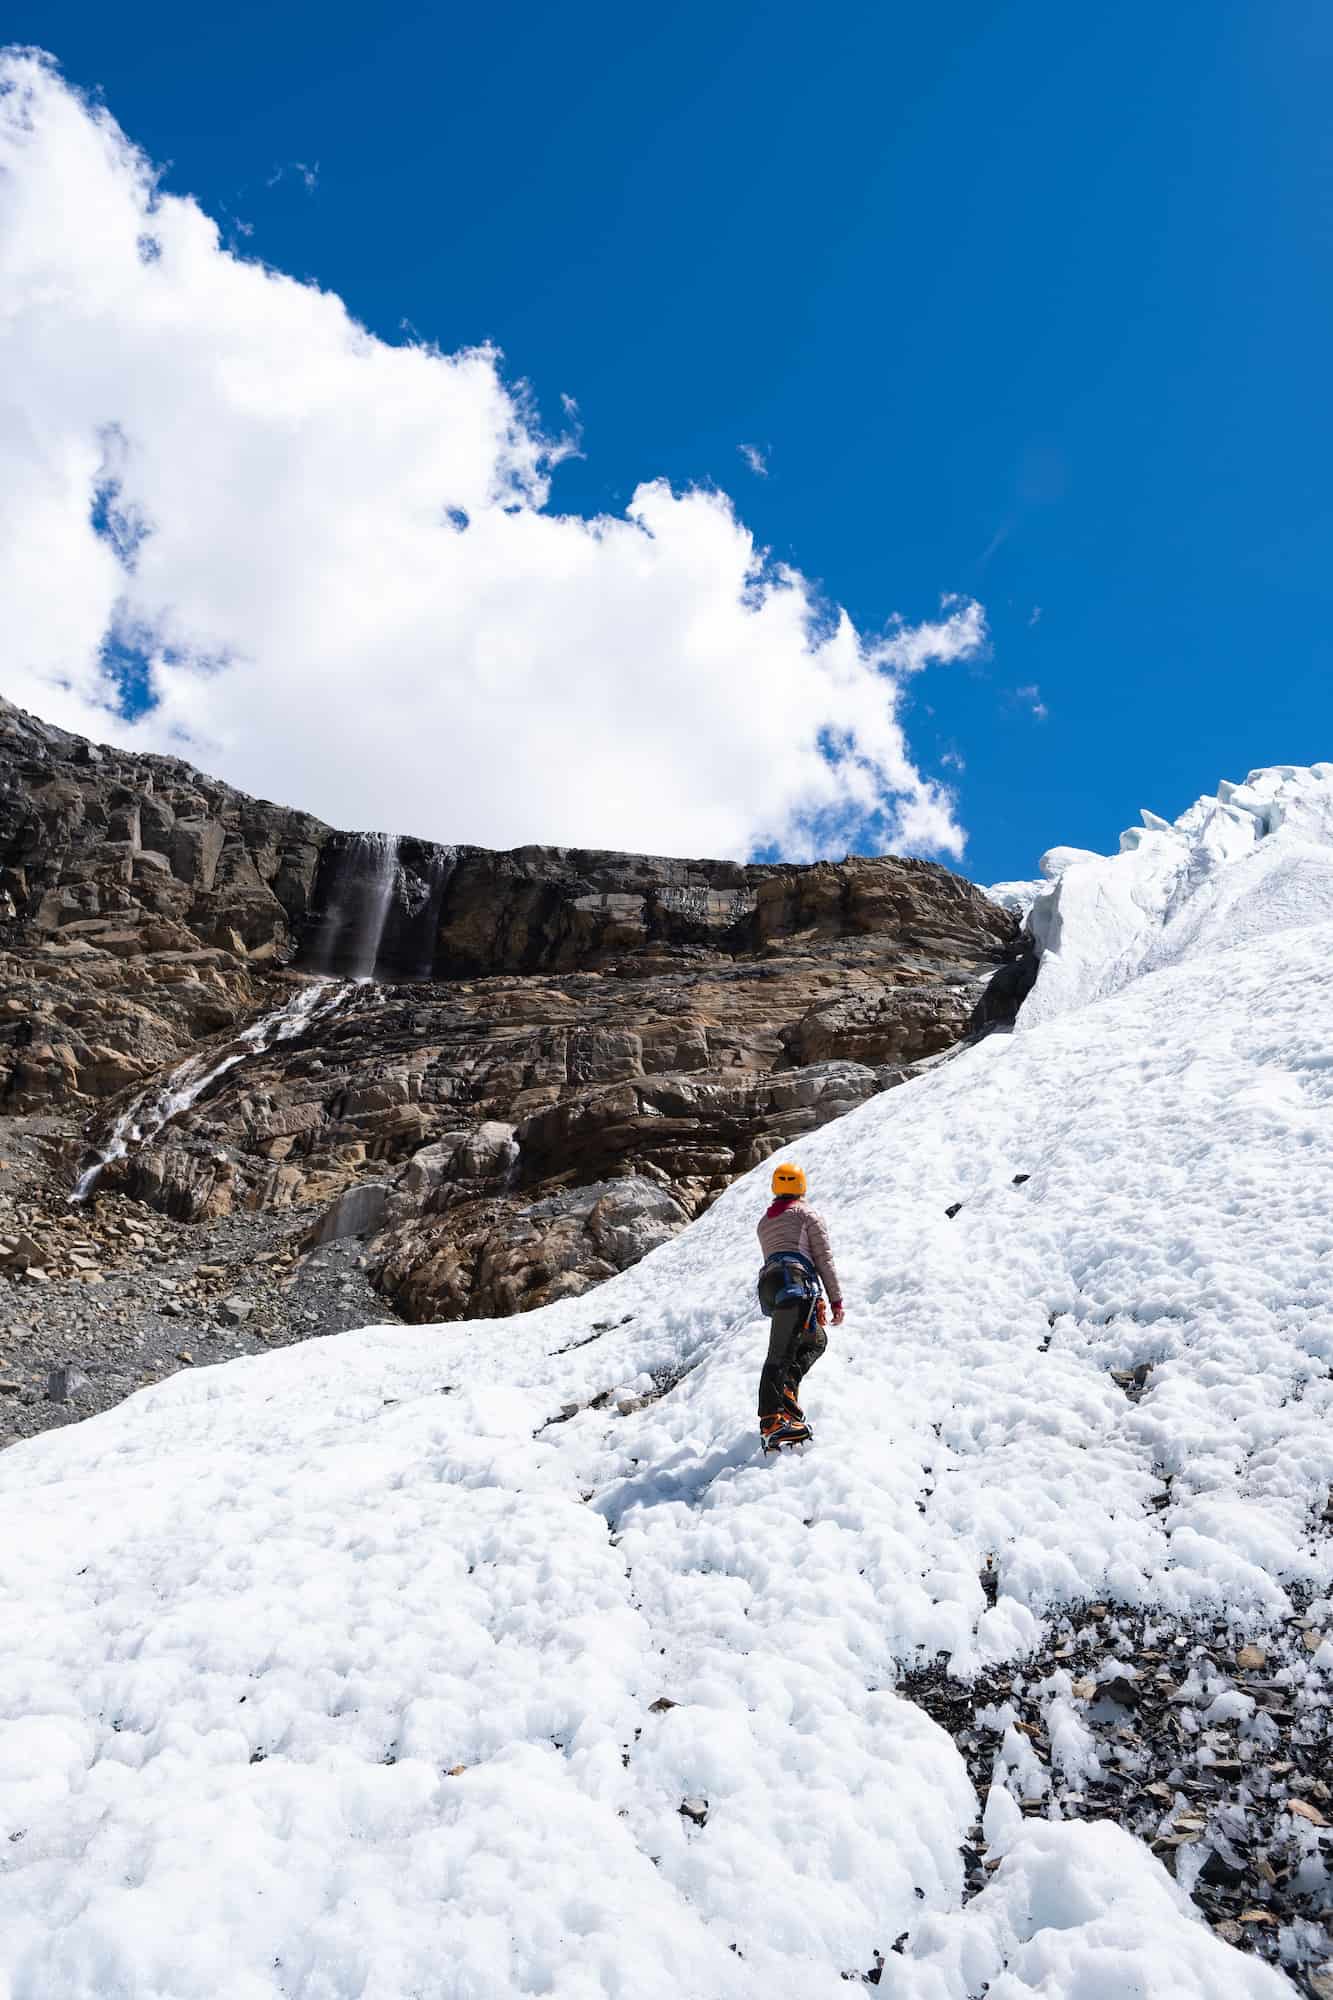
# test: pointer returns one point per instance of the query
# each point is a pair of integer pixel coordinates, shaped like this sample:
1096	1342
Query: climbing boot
778	1432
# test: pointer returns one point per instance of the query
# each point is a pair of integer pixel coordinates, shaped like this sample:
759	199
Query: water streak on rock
424	908
142	1119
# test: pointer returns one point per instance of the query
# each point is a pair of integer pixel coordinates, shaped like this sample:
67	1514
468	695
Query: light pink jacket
794	1225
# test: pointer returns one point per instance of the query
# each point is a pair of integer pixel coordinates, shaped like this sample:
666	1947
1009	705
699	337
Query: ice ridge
1253	859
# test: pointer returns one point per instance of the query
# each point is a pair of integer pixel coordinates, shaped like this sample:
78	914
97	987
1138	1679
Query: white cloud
340	559
755	459
1035	615
1032	696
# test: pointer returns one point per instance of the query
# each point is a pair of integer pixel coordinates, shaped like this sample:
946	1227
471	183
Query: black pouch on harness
788	1279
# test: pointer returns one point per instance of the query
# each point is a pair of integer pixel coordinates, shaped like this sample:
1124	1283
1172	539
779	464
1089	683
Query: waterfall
425	900
359	881
141	1120
380	852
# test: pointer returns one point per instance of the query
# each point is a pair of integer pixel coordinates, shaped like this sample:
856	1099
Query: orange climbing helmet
788	1180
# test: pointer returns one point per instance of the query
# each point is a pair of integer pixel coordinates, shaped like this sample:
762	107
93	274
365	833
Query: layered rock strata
562	1057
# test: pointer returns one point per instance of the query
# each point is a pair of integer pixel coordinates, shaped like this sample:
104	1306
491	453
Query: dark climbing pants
795	1343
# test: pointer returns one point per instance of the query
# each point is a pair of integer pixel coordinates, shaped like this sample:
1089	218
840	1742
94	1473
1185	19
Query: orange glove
821	1311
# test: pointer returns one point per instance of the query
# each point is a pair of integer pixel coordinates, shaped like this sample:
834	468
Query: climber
797	1257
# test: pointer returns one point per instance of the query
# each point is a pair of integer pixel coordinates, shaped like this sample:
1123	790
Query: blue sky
1025	302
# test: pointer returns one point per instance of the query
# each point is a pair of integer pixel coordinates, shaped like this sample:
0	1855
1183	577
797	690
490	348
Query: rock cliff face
91	837
562	1055
141	906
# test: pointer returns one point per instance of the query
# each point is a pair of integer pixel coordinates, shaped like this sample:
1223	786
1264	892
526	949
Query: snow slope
332	1673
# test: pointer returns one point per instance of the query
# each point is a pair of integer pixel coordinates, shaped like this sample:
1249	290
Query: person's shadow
681	1478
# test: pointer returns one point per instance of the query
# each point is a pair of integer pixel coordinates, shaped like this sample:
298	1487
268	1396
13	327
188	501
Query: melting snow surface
332	1673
